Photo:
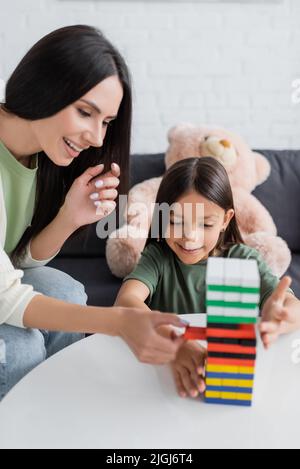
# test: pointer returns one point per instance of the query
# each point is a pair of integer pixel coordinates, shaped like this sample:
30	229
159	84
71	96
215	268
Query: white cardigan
14	296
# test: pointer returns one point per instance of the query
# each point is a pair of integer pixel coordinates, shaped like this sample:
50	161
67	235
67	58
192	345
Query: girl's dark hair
58	70
209	178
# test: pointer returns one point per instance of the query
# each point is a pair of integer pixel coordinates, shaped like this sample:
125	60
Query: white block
231	312
215	295
215	311
250	298
249	273
232	270
247	313
230	296
215	271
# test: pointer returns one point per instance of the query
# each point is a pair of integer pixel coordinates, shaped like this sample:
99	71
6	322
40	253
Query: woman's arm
137	328
50	240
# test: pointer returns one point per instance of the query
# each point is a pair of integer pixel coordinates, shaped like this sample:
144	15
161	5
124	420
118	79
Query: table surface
95	394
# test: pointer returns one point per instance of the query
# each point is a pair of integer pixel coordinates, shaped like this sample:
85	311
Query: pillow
280	194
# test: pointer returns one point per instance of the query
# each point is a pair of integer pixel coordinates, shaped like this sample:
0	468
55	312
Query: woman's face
195	227
80	125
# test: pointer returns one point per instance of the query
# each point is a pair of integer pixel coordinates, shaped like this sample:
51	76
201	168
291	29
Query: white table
95	394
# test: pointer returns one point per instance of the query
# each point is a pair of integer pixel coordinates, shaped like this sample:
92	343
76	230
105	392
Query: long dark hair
209	178
58	70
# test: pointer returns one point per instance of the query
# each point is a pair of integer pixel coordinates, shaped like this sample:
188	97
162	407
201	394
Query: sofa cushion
280	194
83	256
100	285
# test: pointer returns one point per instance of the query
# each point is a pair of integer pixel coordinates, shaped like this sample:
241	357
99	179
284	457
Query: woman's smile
72	149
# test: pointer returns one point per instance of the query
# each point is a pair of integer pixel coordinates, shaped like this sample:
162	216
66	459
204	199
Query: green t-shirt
179	288
19	188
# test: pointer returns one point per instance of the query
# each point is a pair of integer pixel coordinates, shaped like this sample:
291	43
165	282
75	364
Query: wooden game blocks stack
233	295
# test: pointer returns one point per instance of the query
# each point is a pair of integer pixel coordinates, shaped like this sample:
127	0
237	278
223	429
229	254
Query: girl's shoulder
158	250
241	251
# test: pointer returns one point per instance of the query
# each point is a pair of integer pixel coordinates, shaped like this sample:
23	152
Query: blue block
210	400
230	389
229	376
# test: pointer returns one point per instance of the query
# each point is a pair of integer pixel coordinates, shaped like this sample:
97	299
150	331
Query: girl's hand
139	329
276	317
188	369
89	199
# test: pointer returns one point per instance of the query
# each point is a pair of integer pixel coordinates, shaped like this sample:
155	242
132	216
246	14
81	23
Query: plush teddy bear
246	170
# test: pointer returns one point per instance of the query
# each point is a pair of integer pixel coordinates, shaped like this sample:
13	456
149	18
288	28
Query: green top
19	188
180	288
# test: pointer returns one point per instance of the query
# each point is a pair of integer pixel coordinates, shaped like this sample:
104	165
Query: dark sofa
83	256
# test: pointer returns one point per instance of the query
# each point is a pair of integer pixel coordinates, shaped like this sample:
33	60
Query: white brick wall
226	64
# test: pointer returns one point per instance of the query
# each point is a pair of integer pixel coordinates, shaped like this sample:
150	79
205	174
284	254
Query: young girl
171	273
64	141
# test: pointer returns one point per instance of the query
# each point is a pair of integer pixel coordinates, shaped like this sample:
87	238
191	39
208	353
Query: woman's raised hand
92	196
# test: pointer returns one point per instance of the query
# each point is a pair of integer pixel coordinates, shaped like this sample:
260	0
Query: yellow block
230	369
229	396
239	383
214	382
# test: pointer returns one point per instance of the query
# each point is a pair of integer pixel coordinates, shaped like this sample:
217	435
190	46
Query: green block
233	289
230	320
231	304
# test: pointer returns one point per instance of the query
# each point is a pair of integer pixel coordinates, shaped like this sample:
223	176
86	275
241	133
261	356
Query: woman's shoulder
241	251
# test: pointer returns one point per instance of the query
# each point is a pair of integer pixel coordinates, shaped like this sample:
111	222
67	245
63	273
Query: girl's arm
137	328
133	294
188	365
78	210
280	314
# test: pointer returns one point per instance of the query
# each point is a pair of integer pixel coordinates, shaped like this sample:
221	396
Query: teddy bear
246	170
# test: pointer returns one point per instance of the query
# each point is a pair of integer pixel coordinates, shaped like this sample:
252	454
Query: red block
232	334
231	362
195	333
228	348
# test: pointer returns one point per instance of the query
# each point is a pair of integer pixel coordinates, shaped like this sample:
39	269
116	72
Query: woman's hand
140	330
91	196
280	313
188	369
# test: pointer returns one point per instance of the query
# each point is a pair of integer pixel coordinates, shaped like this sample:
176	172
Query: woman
66	118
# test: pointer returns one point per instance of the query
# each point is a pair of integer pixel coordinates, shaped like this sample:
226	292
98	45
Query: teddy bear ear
180	131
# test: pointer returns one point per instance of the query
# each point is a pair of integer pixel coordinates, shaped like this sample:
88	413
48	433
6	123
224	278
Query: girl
171	273
66	119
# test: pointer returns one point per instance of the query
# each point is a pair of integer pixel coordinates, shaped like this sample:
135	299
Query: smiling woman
66	66
64	143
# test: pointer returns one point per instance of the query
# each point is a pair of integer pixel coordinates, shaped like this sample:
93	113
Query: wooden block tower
232	299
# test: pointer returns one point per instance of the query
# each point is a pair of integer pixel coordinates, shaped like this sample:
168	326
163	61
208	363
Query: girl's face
80	125
195	227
